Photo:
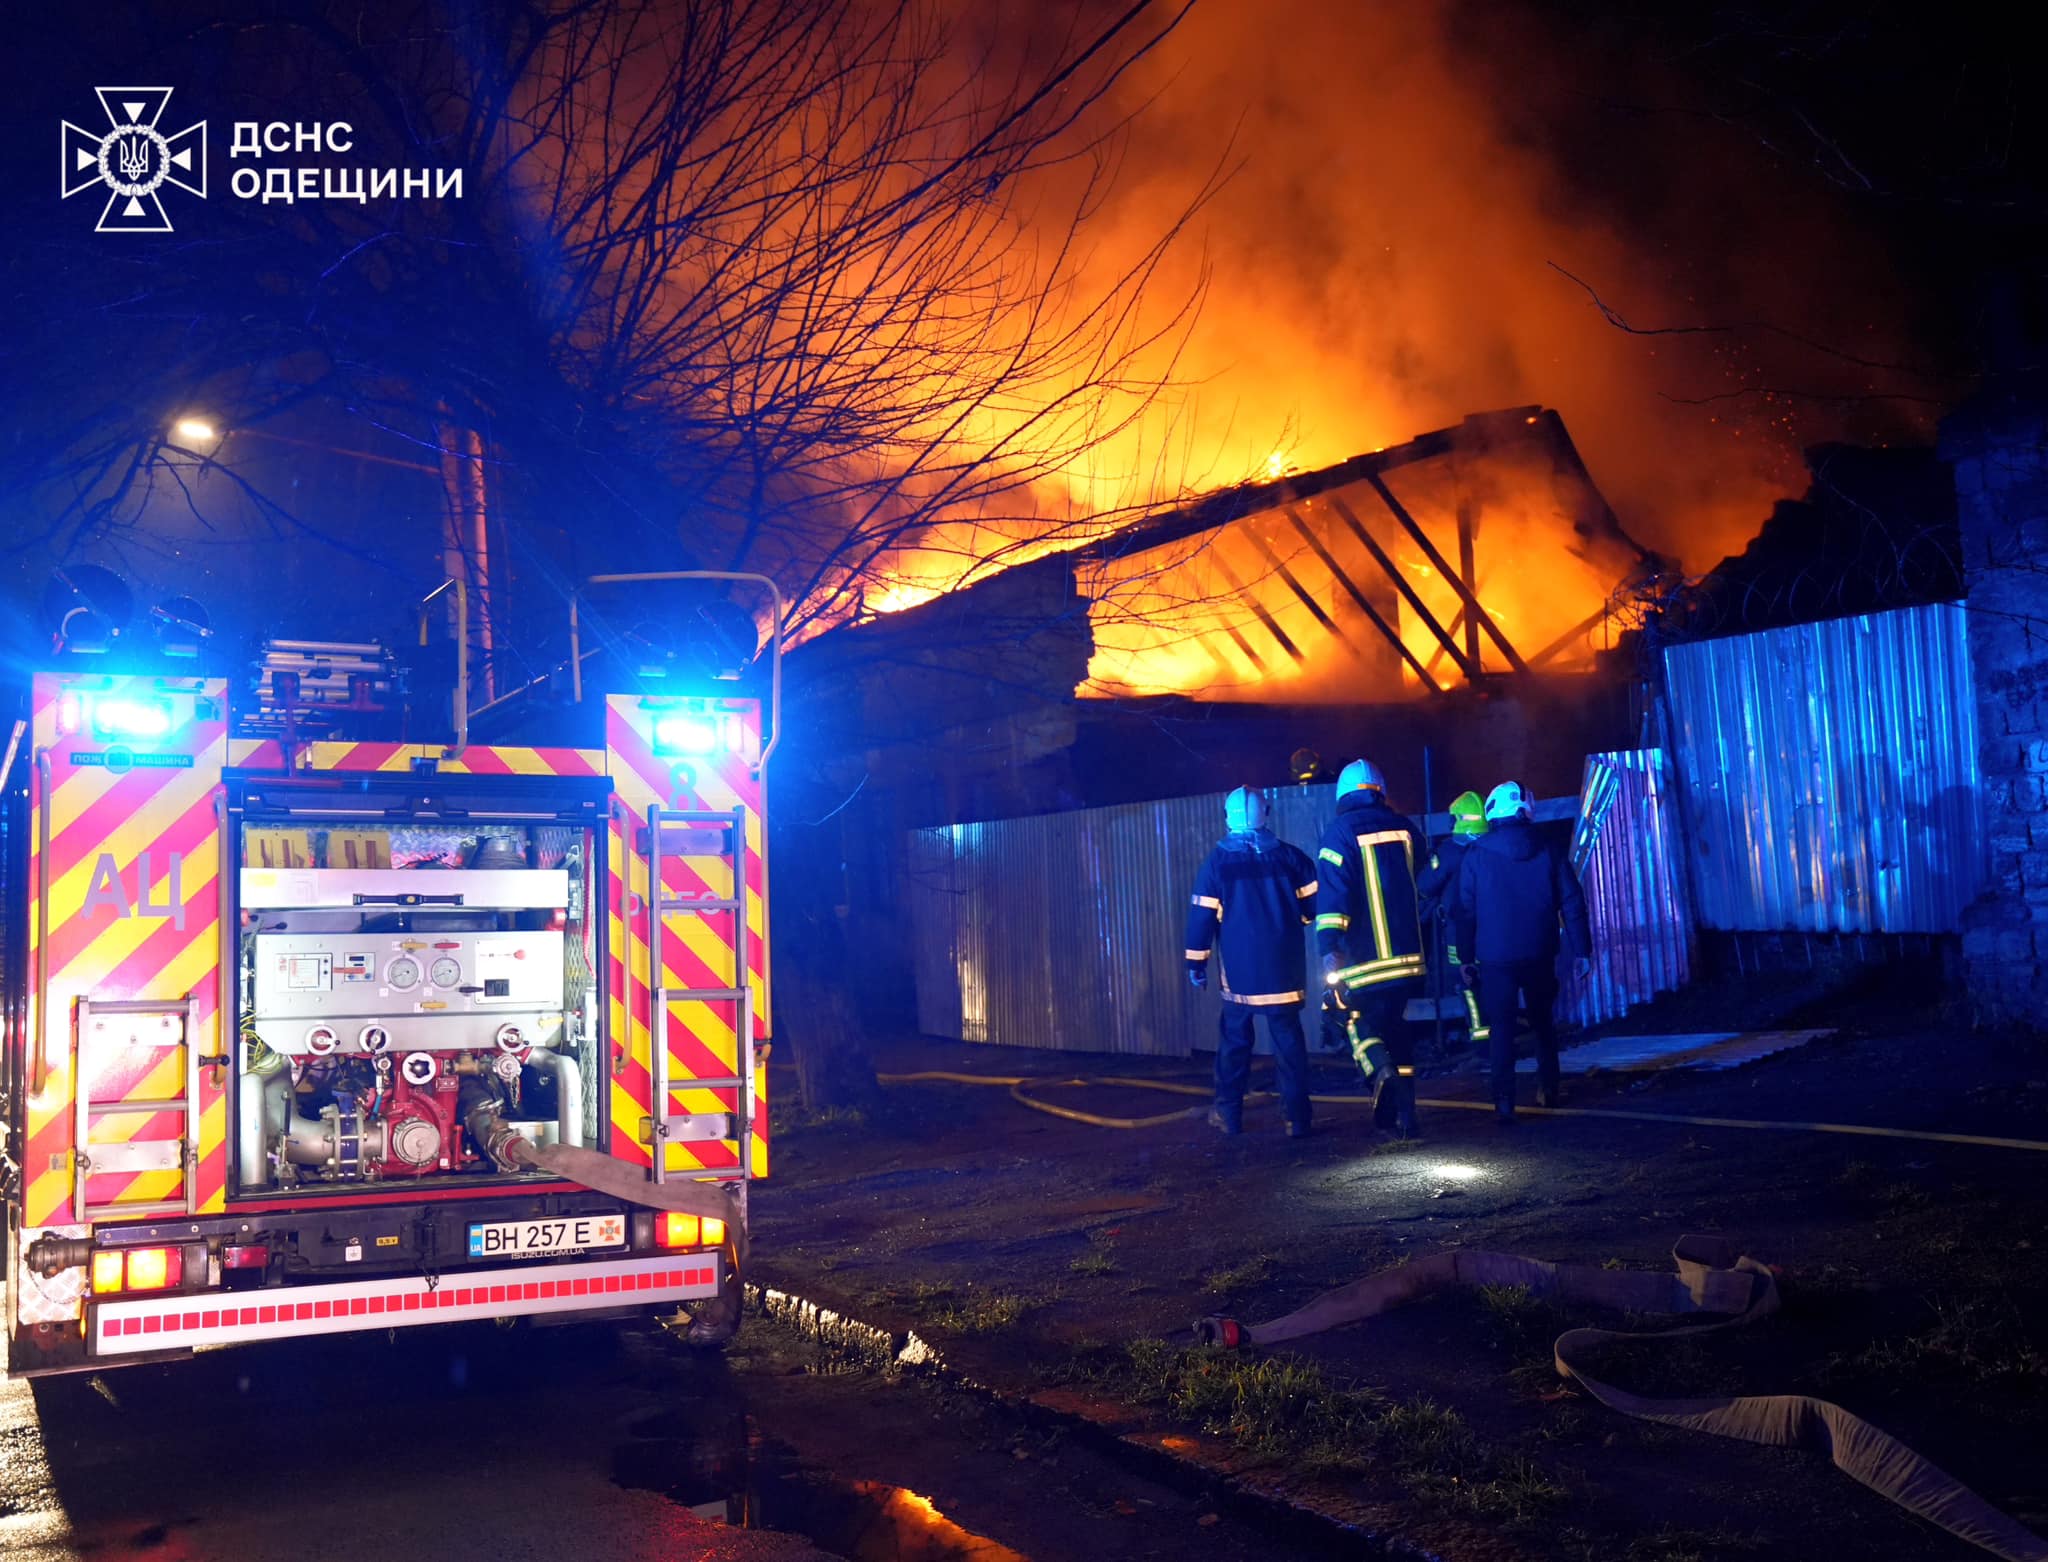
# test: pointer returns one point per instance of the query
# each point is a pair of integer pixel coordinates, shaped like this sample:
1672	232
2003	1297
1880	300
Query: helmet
1468	814
1244	811
1361	775
1509	800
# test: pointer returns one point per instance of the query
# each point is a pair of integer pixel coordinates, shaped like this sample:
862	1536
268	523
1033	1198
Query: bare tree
774	284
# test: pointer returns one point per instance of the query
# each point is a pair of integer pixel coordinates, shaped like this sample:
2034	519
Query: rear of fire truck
316	1035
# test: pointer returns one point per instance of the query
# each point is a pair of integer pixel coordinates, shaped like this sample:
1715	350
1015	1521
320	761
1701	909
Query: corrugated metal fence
1065	930
1631	864
1828	774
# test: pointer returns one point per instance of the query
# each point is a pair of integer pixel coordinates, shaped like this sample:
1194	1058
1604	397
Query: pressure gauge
446	971
403	973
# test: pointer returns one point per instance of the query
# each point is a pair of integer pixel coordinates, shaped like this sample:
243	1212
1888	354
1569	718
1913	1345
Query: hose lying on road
1019	1086
711	1322
1712	1278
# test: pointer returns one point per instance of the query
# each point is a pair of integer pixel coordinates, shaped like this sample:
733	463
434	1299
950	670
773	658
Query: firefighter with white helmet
1369	935
1516	901
1254	895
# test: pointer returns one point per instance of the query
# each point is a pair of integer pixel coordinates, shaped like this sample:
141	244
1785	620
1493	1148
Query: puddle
708	1459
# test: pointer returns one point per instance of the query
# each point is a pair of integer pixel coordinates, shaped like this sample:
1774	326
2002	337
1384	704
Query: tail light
674	1230
137	1269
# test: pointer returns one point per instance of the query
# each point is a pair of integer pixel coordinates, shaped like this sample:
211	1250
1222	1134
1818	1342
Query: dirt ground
1067	1262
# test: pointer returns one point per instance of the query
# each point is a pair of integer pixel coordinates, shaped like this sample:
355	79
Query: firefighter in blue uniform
1516	898
1258	892
1438	883
1369	934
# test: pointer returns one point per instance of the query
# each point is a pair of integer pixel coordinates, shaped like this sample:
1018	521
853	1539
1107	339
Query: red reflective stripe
360	1306
533	1292
412	1304
191	1320
377	1304
497	1293
320	1310
211	1320
547	1289
266	1315
305	1309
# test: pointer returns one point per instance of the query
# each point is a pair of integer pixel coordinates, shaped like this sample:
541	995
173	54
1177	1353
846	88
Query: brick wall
2000	456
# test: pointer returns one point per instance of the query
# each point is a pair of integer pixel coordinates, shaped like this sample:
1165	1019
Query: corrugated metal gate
1828	774
1631	863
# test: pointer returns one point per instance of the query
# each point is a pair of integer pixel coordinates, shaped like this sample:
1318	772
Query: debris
1209	1519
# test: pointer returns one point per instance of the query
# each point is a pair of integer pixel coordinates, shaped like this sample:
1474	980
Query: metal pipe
568	1079
262	1116
575	649
39	1068
13	748
774	632
461	698
311	1143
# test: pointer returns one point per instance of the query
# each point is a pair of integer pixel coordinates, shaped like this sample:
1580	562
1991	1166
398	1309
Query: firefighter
1258	892
1369	934
1436	883
1516	894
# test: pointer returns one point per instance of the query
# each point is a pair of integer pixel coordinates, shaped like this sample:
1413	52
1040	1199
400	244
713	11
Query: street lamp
200	434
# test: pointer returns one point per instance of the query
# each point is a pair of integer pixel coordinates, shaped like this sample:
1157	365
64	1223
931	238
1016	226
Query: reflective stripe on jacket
1369	915
1257	892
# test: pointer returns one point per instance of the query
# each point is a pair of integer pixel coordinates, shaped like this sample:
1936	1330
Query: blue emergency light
688	734
136	720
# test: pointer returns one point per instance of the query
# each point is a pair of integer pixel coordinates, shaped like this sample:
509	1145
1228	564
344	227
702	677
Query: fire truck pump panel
406	1024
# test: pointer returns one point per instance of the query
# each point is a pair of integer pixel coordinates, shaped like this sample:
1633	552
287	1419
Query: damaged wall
2000	453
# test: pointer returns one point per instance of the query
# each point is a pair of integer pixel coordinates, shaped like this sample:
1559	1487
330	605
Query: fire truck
317	1024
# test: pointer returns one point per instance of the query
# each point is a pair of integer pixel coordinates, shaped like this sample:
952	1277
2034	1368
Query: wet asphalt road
602	1440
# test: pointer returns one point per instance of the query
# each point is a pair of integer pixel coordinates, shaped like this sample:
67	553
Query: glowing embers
674	1230
137	1269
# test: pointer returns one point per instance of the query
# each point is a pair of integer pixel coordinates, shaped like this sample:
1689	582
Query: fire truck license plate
532	1238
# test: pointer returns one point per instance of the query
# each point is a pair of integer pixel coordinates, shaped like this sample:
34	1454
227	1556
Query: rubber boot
1404	1105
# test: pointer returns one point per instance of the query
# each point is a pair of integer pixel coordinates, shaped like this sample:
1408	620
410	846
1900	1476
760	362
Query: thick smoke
1387	257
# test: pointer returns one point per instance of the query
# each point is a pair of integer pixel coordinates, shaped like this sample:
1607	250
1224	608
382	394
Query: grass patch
1671	1543
990	1312
1100	1259
1982	1339
1287	1409
1242	1277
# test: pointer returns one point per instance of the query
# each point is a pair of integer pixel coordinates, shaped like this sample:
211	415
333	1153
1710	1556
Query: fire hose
1020	1086
715	1321
1714	1279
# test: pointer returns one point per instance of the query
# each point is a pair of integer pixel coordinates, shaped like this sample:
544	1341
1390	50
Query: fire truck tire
714	1323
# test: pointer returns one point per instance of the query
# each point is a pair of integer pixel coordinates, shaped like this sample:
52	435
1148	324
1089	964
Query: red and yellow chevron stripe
267	754
697	949
133	864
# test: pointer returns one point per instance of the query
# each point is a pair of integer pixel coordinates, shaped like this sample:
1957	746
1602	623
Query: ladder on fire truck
676	833
123	1045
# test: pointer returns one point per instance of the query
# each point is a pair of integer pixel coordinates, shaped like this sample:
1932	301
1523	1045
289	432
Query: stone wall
2000	456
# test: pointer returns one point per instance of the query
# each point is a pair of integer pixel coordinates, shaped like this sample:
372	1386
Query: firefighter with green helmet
1436	883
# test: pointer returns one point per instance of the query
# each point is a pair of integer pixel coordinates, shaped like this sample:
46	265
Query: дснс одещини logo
134	159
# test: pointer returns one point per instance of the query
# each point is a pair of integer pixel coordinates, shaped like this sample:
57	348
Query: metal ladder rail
662	996
82	1157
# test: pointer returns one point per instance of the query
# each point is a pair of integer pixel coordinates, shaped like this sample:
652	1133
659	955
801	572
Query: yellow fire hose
1020	1086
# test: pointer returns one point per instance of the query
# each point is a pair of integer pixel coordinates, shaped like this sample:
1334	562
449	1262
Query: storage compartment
404	1022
